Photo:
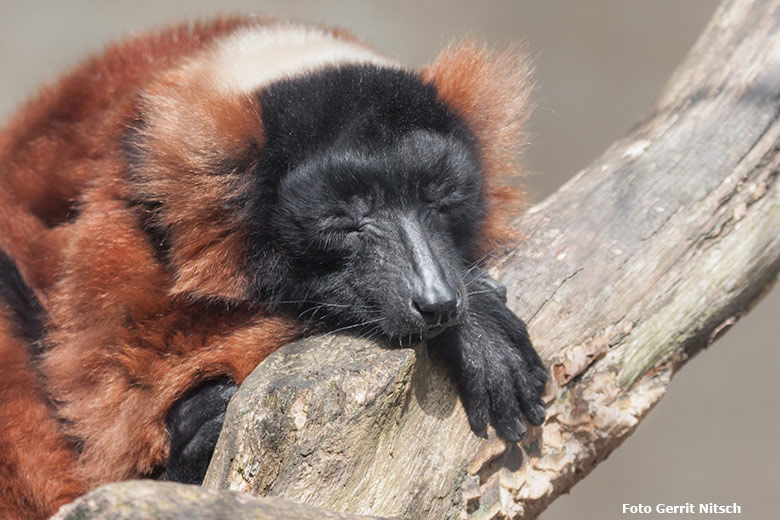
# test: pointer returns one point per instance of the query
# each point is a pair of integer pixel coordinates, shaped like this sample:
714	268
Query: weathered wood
138	499
639	261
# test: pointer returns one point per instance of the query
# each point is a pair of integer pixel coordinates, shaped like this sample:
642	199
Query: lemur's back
66	136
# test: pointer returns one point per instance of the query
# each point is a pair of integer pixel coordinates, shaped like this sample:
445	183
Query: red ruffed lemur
173	210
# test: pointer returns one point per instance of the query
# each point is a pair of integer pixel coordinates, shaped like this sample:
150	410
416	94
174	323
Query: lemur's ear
193	154
490	90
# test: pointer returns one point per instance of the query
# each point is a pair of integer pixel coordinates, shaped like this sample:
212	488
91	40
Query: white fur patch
254	57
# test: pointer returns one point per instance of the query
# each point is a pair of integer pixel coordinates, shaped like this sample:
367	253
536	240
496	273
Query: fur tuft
195	147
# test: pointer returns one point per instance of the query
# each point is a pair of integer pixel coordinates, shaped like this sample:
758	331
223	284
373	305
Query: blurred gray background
600	65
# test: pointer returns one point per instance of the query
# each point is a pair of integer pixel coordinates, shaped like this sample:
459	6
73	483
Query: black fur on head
367	201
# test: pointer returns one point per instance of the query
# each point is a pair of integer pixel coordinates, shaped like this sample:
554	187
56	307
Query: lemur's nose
437	304
434	297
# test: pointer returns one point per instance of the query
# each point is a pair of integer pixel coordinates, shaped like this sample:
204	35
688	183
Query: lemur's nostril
437	311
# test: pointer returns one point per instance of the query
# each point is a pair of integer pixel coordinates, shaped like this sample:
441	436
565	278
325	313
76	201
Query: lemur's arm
501	376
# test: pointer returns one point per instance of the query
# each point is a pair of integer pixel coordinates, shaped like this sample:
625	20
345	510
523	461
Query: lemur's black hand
194	423
500	375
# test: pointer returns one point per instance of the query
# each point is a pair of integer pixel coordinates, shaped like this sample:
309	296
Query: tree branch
639	261
166	500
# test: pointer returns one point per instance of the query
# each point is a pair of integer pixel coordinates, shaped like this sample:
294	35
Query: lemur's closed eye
193	199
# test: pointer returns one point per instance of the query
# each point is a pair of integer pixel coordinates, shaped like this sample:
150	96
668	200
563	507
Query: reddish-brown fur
128	336
490	90
33	453
190	129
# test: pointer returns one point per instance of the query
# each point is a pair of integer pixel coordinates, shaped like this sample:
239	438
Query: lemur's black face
381	236
374	218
